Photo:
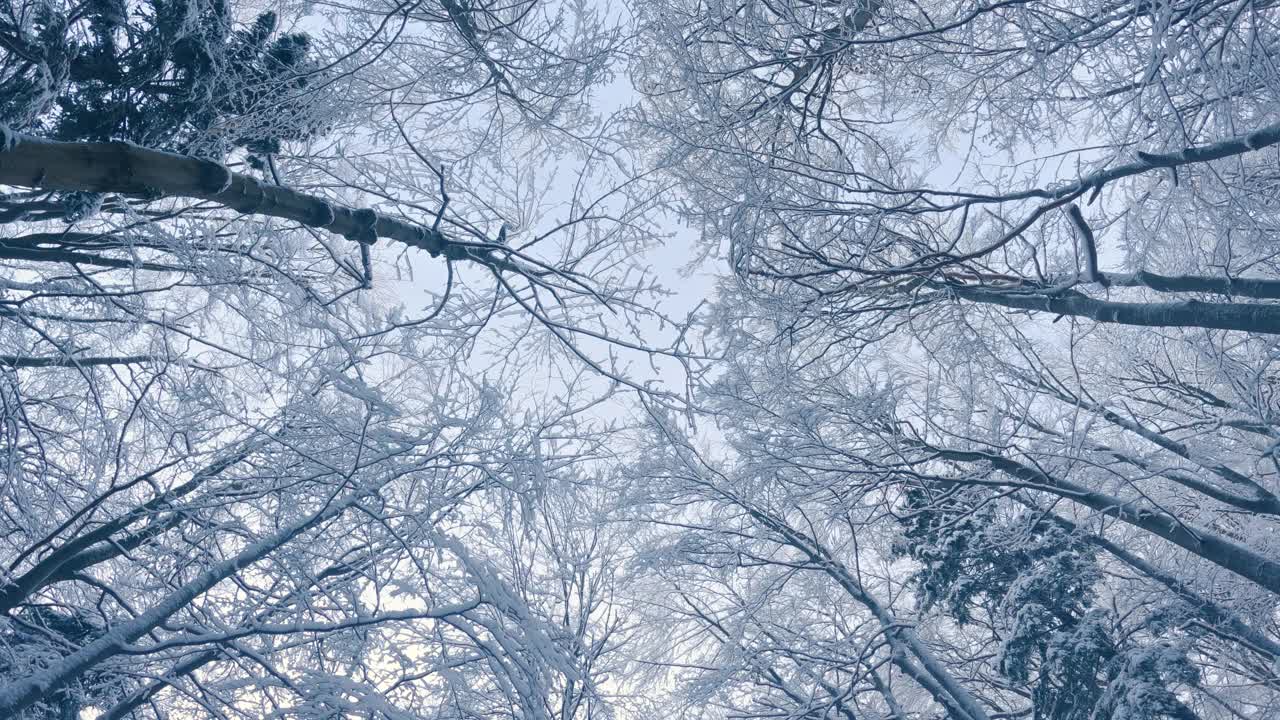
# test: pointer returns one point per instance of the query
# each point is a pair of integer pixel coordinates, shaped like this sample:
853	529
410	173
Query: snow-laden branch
1201	541
23	692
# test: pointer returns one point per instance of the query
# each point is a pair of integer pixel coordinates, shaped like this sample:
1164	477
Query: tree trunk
127	169
1246	317
1260	288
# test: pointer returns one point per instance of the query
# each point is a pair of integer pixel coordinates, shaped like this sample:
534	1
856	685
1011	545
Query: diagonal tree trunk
127	169
1253	287
1246	317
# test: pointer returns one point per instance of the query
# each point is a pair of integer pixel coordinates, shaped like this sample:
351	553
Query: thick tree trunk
1252	287
127	169
1246	317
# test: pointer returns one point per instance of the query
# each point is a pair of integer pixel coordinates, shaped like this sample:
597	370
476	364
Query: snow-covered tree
248	469
335	382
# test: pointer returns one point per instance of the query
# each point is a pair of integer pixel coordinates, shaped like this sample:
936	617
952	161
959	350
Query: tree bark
1252	287
1246	317
127	169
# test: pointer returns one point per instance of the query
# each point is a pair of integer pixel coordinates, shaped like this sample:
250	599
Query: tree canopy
764	360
